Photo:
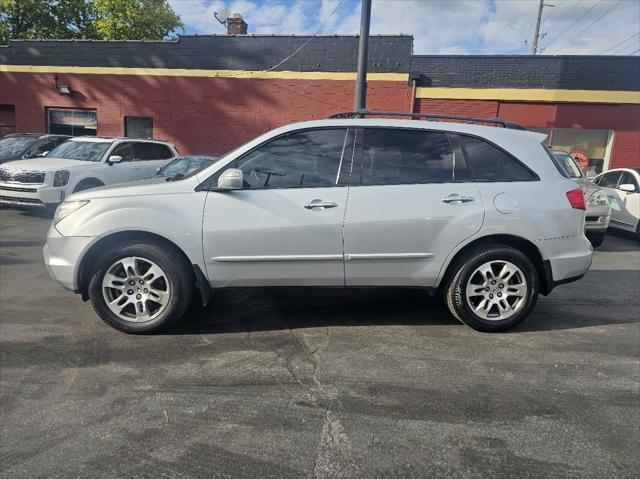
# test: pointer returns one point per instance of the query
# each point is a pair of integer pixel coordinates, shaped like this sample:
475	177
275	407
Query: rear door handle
320	204
455	198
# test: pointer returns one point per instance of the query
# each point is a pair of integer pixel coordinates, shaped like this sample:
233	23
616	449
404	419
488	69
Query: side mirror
628	187
158	169
231	179
115	159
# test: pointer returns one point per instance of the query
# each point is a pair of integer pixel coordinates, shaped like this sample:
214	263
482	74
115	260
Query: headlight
598	198
61	178
66	208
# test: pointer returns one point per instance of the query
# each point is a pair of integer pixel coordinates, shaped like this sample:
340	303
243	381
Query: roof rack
428	116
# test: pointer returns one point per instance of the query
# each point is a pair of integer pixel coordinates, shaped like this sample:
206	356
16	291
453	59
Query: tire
87	184
165	294
596	239
522	288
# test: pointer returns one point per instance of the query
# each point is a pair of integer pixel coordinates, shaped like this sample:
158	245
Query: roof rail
428	116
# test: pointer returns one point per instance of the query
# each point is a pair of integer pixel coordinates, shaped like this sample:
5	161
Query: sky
610	27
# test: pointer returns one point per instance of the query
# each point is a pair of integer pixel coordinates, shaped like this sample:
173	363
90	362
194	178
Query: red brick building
211	93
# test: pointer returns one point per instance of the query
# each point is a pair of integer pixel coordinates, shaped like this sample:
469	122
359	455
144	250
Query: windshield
569	164
184	166
80	150
13	147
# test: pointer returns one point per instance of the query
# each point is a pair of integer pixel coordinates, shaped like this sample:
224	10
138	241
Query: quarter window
303	159
489	163
401	156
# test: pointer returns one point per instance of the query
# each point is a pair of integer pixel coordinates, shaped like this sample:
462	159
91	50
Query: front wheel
141	287
493	288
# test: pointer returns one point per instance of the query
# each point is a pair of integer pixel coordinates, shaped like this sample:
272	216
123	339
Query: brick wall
626	145
199	114
476	108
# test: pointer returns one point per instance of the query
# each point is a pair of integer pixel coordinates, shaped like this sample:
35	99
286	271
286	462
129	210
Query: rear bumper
568	267
26	194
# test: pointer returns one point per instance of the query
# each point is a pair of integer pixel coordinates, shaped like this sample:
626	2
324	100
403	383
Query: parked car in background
21	146
483	215
79	164
184	165
598	209
622	187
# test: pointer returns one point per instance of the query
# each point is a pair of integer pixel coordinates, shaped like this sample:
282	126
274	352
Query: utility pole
360	97
536	33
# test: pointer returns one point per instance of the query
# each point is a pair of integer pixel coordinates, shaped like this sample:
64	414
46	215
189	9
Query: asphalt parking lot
318	383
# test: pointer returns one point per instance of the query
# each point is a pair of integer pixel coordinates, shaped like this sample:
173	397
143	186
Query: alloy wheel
496	290
136	289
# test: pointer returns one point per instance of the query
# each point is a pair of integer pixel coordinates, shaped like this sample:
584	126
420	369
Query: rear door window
396	156
490	163
151	151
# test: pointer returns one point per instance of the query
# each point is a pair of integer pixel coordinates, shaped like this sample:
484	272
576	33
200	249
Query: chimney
236	25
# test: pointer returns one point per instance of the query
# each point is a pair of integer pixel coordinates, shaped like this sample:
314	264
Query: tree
90	19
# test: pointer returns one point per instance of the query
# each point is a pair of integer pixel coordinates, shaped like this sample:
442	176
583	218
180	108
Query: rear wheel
141	287
595	238
492	289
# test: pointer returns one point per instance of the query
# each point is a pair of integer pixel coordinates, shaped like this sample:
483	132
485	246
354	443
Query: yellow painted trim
530	94
184	72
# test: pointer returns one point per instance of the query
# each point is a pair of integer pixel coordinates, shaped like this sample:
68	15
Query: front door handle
317	203
456	198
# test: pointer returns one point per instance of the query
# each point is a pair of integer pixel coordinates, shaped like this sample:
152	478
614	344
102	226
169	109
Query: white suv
79	164
483	215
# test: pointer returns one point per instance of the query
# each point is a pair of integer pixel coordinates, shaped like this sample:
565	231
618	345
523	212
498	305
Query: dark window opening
138	126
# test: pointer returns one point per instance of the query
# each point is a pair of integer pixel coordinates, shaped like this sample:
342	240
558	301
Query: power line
590	25
551	13
577	20
557	22
295	52
633	53
618	44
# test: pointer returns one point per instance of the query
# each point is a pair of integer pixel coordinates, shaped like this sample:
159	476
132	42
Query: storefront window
583	143
72	122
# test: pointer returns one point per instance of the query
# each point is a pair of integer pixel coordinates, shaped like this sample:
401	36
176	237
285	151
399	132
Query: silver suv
485	216
78	164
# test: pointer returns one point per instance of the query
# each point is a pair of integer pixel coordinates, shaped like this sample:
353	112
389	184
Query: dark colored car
184	165
22	146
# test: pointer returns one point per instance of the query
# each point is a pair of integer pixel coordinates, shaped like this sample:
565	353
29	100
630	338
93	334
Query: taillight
576	199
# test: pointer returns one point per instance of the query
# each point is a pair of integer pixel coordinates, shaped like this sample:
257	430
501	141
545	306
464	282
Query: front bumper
62	256
27	194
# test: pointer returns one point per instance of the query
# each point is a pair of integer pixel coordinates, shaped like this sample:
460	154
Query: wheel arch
91	179
92	254
525	246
